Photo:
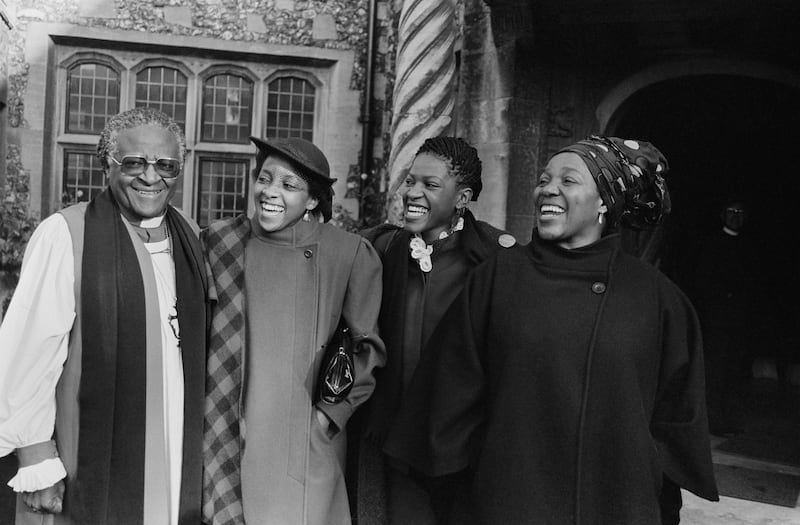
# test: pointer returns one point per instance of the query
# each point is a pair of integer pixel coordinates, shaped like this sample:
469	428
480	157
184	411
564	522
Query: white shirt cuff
38	476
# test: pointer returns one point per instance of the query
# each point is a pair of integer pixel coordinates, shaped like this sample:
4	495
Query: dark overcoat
413	304
569	383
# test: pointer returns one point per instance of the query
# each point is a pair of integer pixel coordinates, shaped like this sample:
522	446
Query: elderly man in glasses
102	350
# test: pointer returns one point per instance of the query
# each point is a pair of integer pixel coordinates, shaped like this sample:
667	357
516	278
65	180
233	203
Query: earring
600	218
460	211
306	217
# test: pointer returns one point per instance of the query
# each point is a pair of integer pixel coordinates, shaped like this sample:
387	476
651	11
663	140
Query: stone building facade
538	74
225	69
714	84
6	25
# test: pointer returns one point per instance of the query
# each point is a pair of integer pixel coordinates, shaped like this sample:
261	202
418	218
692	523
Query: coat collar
593	257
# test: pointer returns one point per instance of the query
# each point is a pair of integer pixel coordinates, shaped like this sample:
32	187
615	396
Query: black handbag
337	373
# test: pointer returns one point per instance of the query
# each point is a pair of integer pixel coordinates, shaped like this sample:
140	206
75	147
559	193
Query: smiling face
281	195
568	203
431	194
145	195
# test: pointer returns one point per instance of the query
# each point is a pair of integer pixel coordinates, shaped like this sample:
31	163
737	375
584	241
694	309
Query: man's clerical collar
152	229
732	233
152	222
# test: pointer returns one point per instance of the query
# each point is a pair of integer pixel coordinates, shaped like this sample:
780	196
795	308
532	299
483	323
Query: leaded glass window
83	176
227	108
223	188
290	108
92	97
163	88
213	98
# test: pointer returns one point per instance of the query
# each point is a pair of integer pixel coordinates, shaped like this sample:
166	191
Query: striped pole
423	92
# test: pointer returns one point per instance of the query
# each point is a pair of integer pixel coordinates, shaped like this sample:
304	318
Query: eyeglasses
735	211
136	165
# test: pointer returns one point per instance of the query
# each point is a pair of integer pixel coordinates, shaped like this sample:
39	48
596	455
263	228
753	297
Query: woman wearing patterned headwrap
568	374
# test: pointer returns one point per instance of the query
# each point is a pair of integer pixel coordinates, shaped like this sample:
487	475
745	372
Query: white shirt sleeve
34	338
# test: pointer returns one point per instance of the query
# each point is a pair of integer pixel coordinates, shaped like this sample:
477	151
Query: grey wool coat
297	284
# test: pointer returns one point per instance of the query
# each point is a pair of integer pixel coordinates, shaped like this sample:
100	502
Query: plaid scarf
222	485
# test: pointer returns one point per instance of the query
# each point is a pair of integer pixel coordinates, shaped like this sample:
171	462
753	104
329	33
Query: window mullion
190	172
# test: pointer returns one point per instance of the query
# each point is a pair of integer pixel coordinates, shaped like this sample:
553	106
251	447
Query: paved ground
764	411
730	511
696	511
776	415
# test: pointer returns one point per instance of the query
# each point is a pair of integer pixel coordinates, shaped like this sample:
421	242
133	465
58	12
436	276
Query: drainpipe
367	143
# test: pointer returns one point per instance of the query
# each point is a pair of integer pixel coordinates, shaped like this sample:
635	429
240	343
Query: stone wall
502	108
324	26
484	94
6	25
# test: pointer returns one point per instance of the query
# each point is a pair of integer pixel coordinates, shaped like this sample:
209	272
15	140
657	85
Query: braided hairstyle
466	165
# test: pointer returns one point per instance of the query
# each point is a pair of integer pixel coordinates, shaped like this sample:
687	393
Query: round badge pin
506	240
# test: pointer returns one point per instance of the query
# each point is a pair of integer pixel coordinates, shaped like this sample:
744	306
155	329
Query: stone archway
726	135
656	74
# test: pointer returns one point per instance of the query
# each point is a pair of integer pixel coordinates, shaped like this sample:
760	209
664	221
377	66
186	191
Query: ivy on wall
16	224
373	194
224	19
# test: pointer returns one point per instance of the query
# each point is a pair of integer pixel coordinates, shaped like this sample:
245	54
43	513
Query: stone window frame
232	70
329	69
216	151
219	200
169	63
188	196
76	143
91	169
82	58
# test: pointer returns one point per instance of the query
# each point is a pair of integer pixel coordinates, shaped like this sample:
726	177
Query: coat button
506	240
598	288
308	254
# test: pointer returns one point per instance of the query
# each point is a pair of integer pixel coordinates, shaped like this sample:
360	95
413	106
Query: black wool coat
570	384
413	304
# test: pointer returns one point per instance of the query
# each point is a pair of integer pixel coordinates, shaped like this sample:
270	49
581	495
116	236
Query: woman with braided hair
425	264
568	375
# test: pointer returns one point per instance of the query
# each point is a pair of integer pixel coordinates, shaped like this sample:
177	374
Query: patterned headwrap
630	178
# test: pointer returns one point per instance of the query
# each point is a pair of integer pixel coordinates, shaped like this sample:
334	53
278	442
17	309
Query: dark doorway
729	137
723	136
